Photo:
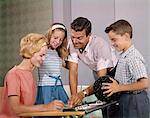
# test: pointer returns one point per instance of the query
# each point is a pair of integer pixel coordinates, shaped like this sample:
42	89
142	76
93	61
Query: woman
20	87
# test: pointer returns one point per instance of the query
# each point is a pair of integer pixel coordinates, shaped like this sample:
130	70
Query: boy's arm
141	84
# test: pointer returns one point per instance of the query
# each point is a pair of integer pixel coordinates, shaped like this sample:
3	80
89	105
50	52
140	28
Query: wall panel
17	18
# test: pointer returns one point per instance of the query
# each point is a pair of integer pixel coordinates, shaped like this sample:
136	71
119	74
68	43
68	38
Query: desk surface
68	113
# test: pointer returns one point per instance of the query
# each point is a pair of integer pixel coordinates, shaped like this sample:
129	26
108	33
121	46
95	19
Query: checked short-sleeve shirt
131	66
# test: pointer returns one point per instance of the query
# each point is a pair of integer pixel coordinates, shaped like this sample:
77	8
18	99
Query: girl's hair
62	49
31	44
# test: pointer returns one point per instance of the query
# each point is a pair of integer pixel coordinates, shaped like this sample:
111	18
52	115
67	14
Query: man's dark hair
120	27
80	24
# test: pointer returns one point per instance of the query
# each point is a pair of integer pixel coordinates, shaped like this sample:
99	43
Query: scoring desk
81	110
66	114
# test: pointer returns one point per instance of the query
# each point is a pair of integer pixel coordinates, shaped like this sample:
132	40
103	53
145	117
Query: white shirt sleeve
104	63
104	55
114	56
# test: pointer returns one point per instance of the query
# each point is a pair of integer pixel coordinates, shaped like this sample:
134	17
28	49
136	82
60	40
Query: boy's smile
119	42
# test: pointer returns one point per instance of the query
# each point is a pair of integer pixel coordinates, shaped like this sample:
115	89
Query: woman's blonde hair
31	44
62	49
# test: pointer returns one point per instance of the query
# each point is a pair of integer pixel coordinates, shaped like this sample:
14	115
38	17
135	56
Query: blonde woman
20	87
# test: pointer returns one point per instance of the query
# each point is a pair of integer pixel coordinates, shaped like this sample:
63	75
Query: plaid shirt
131	67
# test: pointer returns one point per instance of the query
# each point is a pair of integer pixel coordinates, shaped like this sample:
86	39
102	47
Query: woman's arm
21	108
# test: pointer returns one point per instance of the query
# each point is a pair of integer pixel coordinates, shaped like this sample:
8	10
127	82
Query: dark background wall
18	18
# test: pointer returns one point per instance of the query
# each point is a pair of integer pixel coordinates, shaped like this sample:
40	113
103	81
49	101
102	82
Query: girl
50	85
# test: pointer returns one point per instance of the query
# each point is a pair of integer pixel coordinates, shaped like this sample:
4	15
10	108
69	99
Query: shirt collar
87	46
130	49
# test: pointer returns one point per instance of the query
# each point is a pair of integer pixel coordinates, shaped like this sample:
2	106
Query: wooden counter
67	113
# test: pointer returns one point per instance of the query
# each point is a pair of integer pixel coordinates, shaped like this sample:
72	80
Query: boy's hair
31	44
120	27
80	24
62	49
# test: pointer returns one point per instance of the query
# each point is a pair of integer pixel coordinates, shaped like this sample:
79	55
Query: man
91	50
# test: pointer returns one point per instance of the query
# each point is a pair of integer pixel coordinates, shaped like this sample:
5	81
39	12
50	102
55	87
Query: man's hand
76	99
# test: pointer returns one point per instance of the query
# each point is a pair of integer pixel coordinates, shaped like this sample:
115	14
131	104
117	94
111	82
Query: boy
130	73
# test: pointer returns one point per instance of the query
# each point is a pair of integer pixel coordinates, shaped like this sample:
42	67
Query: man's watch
85	93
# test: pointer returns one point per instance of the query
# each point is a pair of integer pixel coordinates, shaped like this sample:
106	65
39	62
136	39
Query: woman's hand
55	105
